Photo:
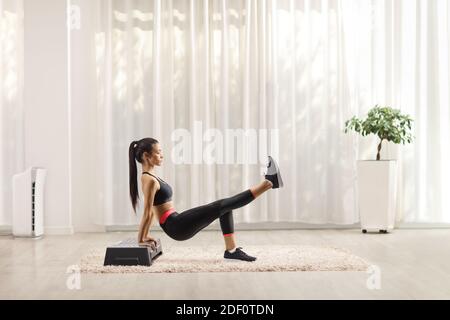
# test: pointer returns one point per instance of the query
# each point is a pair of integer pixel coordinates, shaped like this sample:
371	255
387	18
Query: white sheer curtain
11	106
298	67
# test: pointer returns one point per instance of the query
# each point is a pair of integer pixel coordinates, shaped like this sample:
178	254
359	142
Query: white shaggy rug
210	259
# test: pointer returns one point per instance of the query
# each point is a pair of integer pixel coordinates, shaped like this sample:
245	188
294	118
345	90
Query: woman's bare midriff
160	209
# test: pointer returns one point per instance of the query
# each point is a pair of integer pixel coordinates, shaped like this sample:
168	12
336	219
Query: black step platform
129	253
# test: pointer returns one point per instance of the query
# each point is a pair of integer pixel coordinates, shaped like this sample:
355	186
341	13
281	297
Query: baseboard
422	225
5	230
90	228
118	228
52	231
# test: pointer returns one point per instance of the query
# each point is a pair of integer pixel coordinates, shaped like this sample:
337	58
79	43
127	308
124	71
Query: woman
184	225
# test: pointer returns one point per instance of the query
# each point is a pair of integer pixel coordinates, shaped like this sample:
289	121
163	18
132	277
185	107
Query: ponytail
135	152
134	194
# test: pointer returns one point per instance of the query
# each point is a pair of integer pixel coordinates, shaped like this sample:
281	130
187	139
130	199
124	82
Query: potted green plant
377	179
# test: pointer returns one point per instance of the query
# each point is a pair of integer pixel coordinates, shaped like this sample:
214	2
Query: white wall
46	105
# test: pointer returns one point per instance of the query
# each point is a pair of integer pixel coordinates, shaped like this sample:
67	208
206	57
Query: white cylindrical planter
377	186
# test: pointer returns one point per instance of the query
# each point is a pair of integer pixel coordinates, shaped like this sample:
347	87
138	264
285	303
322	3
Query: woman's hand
148	241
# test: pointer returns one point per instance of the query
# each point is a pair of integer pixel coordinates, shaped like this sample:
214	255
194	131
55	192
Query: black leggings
184	225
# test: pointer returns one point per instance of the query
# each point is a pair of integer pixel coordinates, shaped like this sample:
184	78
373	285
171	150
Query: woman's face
156	157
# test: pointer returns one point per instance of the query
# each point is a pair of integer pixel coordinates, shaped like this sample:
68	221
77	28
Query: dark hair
135	152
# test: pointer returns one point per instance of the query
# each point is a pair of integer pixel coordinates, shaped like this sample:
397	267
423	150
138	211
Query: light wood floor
414	264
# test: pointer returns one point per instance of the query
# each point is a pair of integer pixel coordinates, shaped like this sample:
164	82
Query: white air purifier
28	203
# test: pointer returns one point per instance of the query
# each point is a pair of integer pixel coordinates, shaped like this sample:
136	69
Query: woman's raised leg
191	221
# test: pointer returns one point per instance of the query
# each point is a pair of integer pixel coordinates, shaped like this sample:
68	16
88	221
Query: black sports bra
164	194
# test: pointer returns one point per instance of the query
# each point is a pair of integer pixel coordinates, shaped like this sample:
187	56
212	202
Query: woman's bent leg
227	226
227	223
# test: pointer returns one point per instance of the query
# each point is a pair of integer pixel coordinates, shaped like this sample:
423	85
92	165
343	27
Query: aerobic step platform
129	253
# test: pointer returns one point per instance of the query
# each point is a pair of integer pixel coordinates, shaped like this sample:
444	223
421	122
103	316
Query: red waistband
166	215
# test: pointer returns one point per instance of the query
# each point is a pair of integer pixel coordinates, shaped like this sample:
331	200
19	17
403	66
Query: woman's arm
149	189
145	226
148	224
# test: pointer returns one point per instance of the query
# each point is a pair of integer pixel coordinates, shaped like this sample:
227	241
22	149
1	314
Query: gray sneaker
273	174
238	254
